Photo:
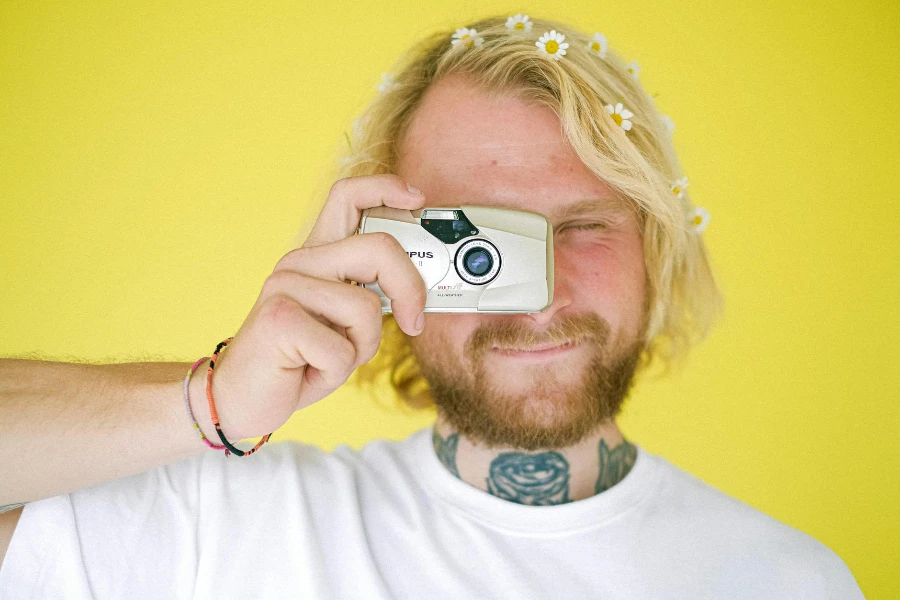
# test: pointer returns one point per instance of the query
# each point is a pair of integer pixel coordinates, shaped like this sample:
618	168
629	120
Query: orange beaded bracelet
215	415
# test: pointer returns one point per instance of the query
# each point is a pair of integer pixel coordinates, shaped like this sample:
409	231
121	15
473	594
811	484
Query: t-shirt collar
636	487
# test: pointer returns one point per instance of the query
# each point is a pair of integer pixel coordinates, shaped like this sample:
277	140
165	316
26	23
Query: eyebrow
589	207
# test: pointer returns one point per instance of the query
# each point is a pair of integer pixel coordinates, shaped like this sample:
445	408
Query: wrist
200	407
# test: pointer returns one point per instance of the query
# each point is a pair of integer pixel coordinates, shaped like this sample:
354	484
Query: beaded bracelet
215	415
187	404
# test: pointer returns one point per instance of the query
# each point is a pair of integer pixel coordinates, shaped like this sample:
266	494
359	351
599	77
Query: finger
347	199
303	340
367	258
353	311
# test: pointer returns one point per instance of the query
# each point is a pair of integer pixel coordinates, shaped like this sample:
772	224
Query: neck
544	477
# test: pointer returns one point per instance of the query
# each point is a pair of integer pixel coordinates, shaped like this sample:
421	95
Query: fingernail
414	190
420	321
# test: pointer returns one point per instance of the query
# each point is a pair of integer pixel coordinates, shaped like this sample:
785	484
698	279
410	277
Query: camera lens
477	261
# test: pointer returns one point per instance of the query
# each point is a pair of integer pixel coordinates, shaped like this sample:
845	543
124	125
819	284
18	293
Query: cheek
596	266
605	275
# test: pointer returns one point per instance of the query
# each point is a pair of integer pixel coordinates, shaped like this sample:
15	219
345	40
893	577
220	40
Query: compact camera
472	258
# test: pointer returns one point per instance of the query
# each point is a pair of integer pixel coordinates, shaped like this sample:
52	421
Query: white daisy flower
699	219
678	187
598	45
620	115
669	123
387	82
633	68
552	43
519	23
466	38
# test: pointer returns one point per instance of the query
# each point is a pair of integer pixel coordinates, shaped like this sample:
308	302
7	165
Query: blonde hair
640	164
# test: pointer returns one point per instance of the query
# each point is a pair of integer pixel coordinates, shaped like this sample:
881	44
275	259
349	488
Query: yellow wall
157	159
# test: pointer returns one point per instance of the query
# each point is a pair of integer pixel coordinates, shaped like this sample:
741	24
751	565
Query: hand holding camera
309	329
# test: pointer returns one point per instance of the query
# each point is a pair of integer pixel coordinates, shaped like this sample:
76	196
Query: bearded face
497	392
543	380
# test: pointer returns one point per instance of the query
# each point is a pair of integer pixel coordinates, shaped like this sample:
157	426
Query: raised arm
66	426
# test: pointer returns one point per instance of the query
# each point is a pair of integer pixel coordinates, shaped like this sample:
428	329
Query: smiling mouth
538	349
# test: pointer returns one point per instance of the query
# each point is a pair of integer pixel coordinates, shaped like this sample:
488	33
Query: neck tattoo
541	478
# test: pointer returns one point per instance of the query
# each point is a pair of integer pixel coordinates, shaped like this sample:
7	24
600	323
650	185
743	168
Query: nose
562	294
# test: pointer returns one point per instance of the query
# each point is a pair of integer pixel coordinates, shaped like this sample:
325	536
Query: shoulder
749	541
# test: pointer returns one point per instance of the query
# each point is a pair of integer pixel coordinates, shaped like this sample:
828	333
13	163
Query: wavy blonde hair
683	301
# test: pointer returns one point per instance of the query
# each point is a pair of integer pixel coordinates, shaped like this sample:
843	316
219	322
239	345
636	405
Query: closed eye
582	226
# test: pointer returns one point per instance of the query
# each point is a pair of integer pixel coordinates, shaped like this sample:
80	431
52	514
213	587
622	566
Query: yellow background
157	159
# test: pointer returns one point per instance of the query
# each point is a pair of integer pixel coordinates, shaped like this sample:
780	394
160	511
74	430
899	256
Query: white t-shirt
389	521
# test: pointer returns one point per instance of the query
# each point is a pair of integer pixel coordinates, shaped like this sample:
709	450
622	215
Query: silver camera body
472	258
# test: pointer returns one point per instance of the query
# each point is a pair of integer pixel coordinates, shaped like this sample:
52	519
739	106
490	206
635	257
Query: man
525	487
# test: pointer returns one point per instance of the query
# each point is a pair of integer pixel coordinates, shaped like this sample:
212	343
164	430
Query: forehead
467	146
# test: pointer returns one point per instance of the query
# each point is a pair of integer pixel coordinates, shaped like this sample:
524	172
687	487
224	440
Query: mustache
517	334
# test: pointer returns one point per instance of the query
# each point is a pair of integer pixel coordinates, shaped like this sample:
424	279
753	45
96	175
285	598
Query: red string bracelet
215	415
187	404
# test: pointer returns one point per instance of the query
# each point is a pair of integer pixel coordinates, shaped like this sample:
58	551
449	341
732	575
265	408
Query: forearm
67	426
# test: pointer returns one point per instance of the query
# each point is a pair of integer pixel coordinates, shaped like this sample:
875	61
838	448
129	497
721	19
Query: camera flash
439	214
